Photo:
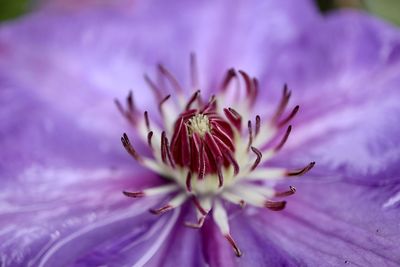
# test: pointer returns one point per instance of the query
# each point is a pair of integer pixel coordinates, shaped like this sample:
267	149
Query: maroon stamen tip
258	159
189	182
256	89
302	171
236	167
161	210
275	205
242	203
153	87
119	107
129	148
198	206
197	225
250	129
231	73
146	119
192	99
234	117
284	139
283	103
134	194
171	78
289	117
166	151
211	105
149	137
129	101
248	82
232	242
291	191
162	102
258	125
220	176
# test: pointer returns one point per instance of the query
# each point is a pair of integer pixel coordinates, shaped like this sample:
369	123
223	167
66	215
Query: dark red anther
165	150
174	82
134	194
301	171
283	103
258	125
258	159
200	208
161	210
290	192
275	205
289	117
149	137
284	139
250	129
147	121
189	181
192	99
231	73
129	148
162	103
234	117
232	242
156	90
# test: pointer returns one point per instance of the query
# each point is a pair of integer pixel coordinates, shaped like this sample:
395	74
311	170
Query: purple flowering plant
262	134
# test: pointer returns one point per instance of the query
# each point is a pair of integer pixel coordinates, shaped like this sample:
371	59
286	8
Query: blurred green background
387	9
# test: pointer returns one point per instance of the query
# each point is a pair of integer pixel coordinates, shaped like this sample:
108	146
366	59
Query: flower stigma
213	152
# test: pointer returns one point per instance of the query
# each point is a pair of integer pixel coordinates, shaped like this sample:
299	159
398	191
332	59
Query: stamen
174	82
189	181
258	159
153	87
175	202
146	119
221	219
129	114
149	136
129	148
275	205
283	103
192	99
238	253
234	117
199	207
302	171
164	189
231	73
248	82
165	150
290	192
258	125
289	117
162	102
250	128
284	139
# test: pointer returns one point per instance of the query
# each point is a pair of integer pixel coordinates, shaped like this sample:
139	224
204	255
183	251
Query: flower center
213	158
199	124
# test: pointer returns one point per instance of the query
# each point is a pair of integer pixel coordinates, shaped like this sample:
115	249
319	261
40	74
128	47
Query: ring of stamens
204	152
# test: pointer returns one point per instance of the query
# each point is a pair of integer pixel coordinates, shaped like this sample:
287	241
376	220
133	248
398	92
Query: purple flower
63	169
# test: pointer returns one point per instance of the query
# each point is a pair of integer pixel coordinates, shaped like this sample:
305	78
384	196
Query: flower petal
329	224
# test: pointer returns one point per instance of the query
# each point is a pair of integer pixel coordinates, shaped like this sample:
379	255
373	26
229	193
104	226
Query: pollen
199	124
212	152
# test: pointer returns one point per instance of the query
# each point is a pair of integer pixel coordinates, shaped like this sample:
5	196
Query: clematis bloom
211	156
63	168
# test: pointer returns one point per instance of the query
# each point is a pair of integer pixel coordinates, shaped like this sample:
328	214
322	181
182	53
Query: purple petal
349	116
330	224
